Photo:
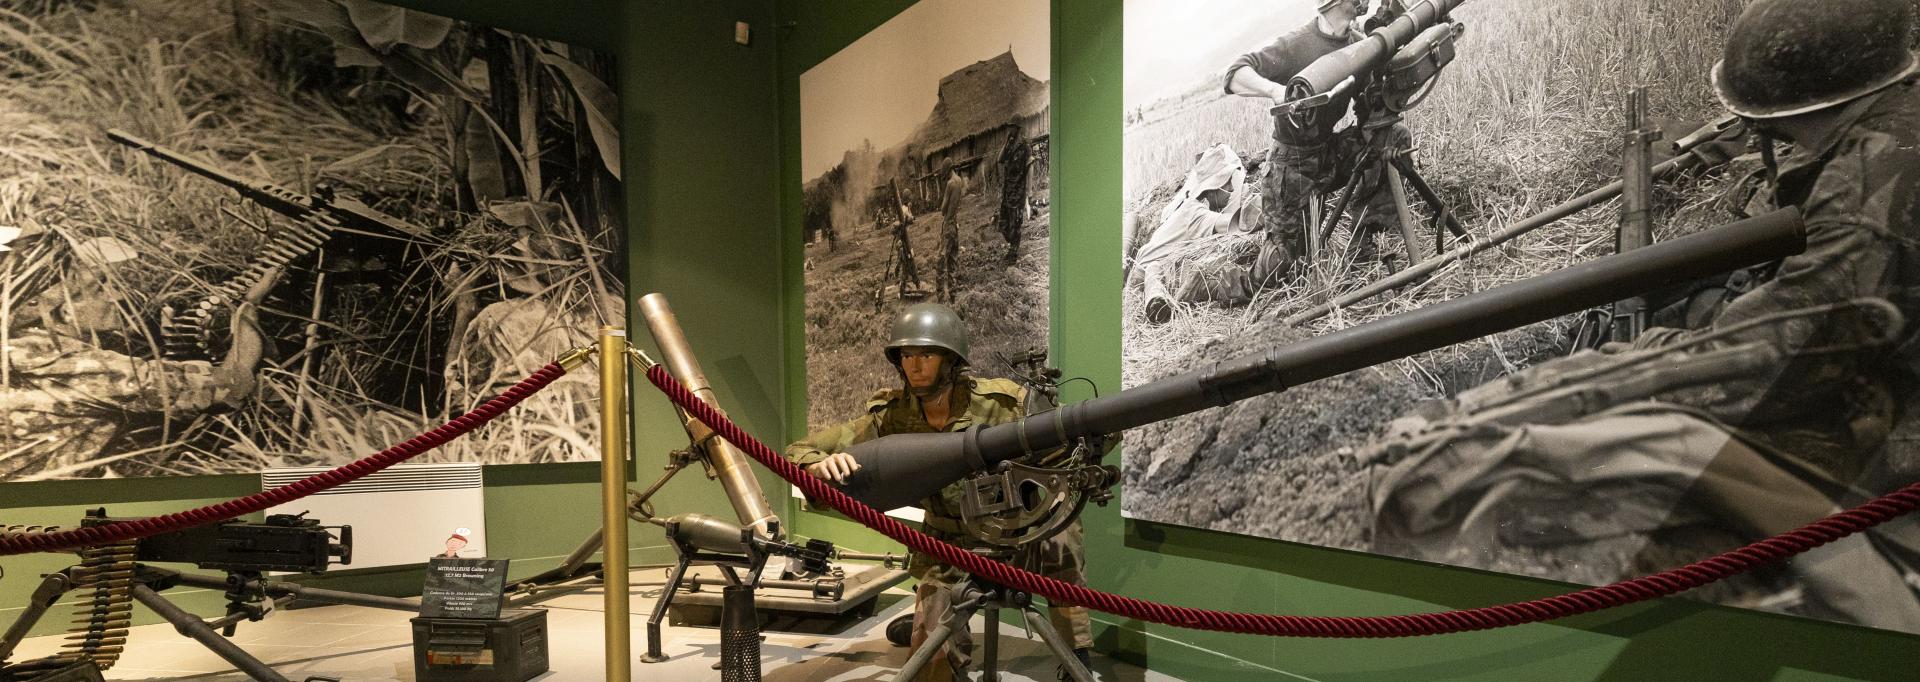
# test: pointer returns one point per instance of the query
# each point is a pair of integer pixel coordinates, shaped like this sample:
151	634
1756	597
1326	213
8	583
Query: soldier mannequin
929	349
1768	452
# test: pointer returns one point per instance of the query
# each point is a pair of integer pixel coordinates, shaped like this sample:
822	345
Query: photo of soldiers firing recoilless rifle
1643	433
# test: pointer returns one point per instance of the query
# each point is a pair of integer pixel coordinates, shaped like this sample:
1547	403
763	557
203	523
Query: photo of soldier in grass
270	233
1590	448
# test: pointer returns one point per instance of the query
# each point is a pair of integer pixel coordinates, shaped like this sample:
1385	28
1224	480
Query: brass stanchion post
614	422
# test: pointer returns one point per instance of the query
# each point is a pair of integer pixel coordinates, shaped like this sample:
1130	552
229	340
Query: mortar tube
729	464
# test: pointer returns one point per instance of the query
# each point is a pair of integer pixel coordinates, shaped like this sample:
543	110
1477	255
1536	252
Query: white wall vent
400	515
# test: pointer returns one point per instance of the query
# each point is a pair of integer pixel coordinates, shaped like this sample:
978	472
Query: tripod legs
1442	216
1408	234
191	626
962	614
957	617
44	597
990	649
1061	649
654	654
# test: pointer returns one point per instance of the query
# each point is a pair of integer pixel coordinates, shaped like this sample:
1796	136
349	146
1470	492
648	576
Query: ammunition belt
188	334
104	582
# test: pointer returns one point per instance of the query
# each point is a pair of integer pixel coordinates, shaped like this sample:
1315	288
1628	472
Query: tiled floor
354	643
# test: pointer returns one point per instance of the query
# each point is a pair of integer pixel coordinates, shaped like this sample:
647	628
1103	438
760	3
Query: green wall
700	170
1671	639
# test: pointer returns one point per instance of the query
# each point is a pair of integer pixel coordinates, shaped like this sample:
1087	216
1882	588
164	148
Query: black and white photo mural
924	162
270	233
1589	448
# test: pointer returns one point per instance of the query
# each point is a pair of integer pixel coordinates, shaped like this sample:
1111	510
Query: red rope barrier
412	447
1660	584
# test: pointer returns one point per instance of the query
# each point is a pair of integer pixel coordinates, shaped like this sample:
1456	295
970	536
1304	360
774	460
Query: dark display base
512	648
700	606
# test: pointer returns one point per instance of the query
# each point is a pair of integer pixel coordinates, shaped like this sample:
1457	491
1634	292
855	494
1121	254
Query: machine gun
186	332
284	542
112	577
900	469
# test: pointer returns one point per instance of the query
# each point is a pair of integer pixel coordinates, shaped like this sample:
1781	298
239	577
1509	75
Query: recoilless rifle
900	470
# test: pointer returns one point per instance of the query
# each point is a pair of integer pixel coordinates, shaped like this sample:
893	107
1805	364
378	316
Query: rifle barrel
1536	221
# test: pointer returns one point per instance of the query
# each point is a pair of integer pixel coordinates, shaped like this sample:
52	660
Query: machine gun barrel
347	212
279	200
900	470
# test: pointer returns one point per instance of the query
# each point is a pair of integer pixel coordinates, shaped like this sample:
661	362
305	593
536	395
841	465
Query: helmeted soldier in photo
928	348
1798	397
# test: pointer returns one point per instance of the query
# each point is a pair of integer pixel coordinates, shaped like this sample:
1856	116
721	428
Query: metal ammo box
511	648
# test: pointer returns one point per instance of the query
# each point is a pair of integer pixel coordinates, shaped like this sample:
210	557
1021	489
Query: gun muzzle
903	469
705	532
728	462
1371	52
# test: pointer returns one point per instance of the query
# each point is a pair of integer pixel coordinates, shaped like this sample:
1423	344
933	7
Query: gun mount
902	469
1409	51
187	328
284	542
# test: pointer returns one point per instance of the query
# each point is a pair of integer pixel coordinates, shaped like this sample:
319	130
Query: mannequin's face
922	365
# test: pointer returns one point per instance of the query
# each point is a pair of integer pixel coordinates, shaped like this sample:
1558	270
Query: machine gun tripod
978	594
115	576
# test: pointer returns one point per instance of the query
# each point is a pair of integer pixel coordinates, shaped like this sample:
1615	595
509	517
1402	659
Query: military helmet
928	324
1788	57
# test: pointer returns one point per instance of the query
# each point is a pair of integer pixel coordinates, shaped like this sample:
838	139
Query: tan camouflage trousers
1062	557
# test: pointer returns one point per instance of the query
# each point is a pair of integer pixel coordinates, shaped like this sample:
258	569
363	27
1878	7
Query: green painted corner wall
701	178
1671	639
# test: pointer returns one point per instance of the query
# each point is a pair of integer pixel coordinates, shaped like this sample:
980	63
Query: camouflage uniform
66	400
1013	193
990	402
1767	452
